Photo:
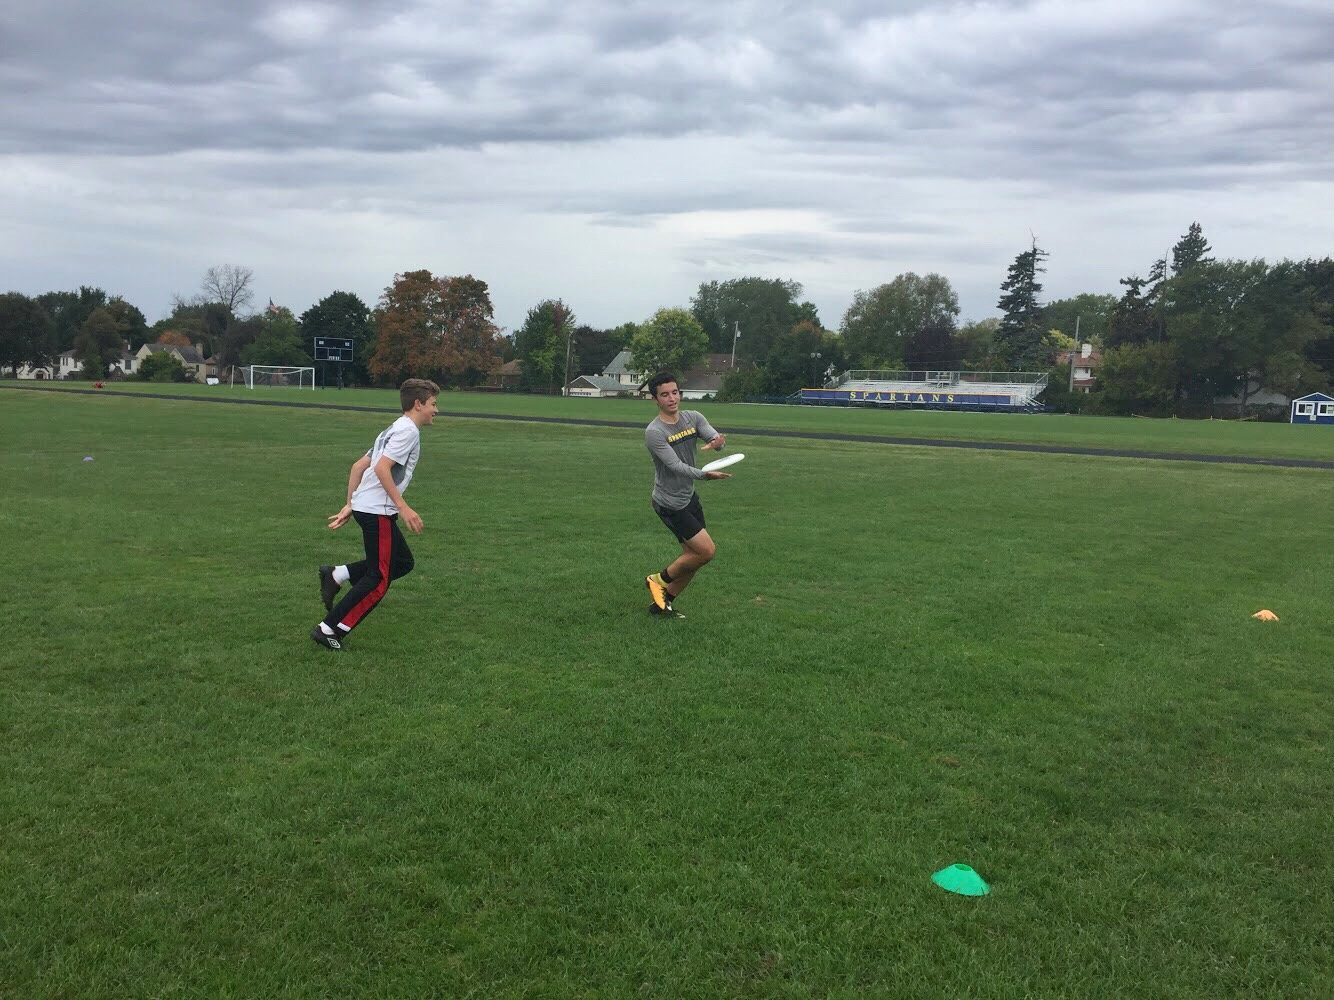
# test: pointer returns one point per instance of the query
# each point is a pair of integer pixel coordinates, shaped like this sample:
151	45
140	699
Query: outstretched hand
336	521
717	475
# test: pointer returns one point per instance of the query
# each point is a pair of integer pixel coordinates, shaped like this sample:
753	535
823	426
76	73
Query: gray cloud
893	132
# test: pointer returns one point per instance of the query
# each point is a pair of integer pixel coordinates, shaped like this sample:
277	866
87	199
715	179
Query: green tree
1281	324
1093	312
879	323
932	347
27	335
279	342
1138	378
594	349
1208	316
542	344
1058	395
746	382
160	366
437	328
100	343
1132	319
1019	336
672	340
1319	277
763	309
207	324
975	345
131	321
342	316
69	311
239	335
1192	249
799	359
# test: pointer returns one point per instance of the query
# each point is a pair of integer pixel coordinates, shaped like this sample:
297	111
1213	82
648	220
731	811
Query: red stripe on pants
384	546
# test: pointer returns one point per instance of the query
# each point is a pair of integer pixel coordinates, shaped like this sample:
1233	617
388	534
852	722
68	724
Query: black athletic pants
387	558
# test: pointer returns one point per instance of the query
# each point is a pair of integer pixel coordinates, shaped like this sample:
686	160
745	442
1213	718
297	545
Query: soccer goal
266	375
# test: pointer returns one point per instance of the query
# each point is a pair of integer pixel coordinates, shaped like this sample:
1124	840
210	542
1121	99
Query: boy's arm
713	441
384	471
359	468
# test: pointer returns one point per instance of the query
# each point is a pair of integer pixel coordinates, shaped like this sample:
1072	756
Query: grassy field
1213	437
516	783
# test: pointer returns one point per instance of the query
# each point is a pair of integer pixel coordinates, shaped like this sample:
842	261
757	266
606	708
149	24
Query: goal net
257	376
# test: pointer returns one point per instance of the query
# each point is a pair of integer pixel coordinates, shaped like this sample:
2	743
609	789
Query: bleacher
938	390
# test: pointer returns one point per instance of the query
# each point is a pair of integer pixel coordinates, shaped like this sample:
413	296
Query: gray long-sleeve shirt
673	449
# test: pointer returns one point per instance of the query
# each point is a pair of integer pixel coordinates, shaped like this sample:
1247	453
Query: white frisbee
722	463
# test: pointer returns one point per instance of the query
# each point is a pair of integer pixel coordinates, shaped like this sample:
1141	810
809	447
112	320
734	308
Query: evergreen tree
1190	250
542	344
1132	320
1019	338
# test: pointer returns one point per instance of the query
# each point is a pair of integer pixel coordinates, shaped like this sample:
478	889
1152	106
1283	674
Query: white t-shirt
401	441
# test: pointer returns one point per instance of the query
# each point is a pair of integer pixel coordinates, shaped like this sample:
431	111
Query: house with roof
1313	408
706	378
63	365
67	365
1084	363
191	357
617	379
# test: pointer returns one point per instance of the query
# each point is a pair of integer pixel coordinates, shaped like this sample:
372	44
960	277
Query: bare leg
695	554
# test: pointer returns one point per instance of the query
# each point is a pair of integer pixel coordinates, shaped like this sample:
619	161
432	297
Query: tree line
1191	331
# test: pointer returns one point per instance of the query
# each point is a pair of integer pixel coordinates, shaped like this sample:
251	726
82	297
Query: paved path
1039	449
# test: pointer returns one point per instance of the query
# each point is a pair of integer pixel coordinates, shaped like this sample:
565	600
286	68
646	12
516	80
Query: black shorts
685	523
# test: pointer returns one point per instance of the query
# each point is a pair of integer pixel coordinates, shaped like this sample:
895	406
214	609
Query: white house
616	379
192	358
1085	363
700	382
66	365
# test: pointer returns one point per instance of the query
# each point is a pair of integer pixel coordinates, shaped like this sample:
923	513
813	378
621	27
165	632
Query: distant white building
191	358
66	365
700	382
616	379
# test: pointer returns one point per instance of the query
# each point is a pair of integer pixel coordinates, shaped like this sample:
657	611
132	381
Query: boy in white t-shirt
375	489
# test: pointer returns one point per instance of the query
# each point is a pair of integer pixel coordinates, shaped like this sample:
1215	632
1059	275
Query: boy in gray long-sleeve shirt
671	439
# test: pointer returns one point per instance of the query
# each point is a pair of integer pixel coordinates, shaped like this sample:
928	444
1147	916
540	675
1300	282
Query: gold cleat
658	591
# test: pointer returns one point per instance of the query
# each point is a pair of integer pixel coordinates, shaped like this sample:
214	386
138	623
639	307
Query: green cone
961	879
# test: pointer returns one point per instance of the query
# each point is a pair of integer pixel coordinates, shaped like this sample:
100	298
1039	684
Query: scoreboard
332	349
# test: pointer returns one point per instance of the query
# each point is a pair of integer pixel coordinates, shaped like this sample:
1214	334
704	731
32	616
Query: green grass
516	783
1211	437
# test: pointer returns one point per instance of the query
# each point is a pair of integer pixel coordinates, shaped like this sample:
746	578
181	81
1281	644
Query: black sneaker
327	641
667	612
328	587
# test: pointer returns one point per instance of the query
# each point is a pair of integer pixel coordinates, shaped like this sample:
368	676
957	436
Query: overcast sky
615	155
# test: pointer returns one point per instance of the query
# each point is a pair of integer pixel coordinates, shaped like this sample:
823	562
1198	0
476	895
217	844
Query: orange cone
1265	615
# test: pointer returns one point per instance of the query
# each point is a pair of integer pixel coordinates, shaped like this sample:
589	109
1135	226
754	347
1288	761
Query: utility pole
734	340
569	345
1077	350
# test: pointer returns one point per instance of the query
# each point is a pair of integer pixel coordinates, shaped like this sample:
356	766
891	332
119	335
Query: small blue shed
1315	408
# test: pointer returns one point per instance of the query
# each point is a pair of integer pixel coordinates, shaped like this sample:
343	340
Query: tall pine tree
1019	338
1190	250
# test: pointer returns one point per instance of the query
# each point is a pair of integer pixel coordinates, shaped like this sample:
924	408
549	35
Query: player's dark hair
660	379
416	390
